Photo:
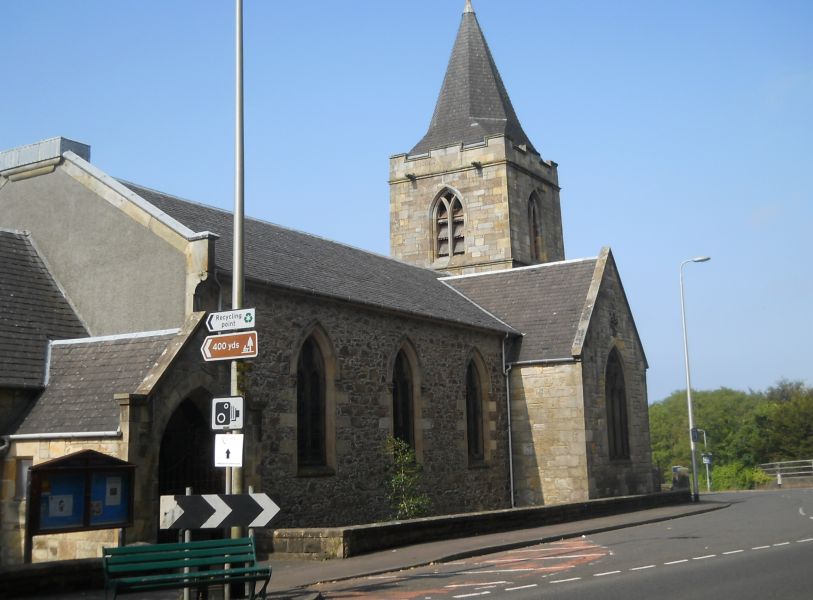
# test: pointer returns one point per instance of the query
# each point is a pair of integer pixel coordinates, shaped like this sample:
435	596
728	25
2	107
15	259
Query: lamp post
692	431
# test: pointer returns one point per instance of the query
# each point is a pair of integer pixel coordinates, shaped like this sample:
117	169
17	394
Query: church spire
473	103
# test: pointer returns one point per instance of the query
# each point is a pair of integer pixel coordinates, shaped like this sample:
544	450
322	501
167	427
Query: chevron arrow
215	511
270	510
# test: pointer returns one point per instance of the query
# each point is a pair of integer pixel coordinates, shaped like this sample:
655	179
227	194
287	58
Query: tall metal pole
692	434
236	482
234	476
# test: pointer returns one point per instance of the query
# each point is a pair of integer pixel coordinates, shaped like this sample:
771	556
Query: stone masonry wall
547	414
493	182
363	345
612	326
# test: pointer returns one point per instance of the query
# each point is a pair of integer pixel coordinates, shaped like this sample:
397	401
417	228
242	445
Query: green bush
403	482
737	476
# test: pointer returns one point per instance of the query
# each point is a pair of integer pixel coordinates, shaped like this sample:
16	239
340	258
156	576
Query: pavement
293	579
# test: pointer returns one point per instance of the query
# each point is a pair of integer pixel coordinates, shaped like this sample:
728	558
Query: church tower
474	194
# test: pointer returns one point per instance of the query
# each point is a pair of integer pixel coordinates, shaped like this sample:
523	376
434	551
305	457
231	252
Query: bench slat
146	548
250	573
180	563
160	554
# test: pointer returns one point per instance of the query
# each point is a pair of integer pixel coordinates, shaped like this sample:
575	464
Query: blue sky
681	129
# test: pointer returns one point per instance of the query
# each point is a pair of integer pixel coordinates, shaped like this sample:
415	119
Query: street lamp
692	431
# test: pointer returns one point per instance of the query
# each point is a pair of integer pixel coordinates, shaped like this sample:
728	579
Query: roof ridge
525	268
116	337
278	225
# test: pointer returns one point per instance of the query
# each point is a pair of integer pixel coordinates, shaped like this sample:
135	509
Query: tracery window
474	414
310	406
616	398
403	401
449	222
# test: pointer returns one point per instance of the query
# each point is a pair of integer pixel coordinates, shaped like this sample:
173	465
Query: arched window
615	393
535	230
449	222
402	401
310	406
474	414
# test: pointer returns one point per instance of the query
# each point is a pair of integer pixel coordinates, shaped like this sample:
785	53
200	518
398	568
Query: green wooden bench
161	566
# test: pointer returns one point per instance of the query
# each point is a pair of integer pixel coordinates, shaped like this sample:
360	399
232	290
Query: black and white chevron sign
215	511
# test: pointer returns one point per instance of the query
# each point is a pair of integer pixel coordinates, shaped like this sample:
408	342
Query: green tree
744	429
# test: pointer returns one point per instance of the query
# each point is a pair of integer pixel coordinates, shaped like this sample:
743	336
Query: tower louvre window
450	220
535	230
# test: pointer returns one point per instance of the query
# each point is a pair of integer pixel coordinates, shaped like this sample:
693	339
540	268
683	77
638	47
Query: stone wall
494	181
547	414
612	326
361	345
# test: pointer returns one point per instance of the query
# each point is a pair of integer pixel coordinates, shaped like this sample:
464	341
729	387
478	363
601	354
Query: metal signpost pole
234	483
237	258
692	430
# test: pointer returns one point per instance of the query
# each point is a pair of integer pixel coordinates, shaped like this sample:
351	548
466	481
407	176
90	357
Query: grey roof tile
473	103
306	263
545	303
32	311
83	377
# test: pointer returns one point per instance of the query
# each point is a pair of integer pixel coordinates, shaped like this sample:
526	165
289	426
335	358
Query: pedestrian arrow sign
229	450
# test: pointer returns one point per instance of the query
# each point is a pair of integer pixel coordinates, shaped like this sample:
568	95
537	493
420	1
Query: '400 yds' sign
232	346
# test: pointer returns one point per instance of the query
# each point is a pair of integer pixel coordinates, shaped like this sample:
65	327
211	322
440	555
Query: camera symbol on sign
227	413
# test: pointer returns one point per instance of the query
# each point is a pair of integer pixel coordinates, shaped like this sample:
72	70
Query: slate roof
84	375
306	263
32	311
473	102
545	303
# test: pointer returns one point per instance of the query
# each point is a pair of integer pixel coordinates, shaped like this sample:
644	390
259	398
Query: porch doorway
186	458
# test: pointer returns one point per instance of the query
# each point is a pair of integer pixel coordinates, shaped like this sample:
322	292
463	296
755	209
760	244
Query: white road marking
760	547
642	568
704	557
570	556
521	587
804	540
566	580
471	595
677	562
802	511
480	584
782	544
606	573
495	571
507	560
733	552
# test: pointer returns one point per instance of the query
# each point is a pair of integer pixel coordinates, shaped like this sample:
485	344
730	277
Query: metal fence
788	468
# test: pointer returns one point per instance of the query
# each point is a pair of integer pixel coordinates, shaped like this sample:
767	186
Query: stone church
516	375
